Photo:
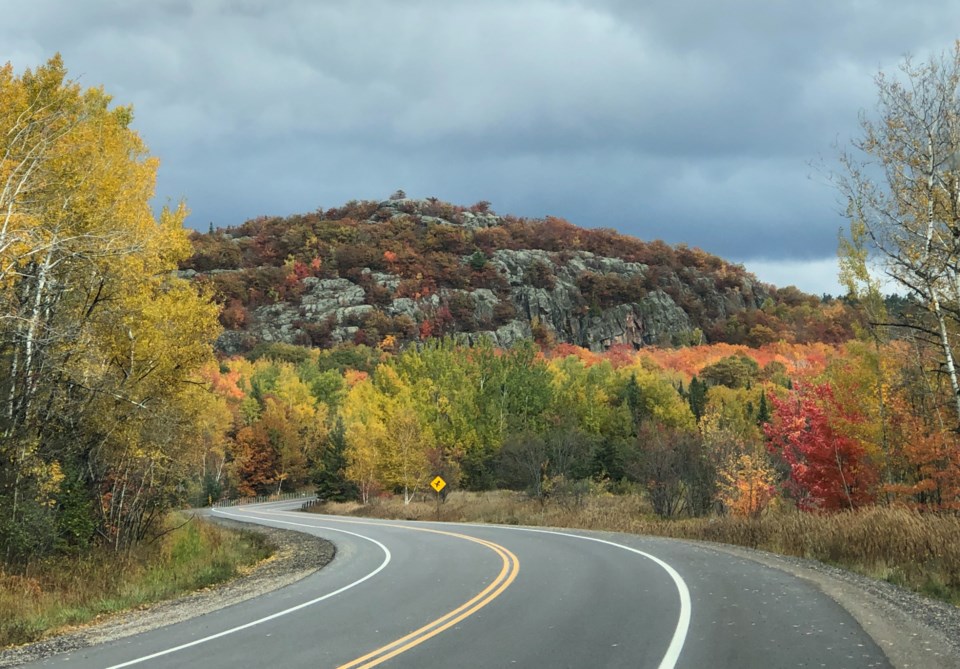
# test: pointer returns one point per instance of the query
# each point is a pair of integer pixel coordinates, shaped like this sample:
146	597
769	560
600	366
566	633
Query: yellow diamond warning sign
438	484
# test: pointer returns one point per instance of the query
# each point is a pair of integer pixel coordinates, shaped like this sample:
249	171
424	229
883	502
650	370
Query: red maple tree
829	470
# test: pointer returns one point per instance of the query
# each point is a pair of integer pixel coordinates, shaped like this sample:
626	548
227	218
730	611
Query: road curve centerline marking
508	574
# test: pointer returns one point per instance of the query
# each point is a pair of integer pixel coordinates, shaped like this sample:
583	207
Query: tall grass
57	593
897	544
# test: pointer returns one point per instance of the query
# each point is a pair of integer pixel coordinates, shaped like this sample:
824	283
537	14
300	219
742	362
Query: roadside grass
920	551
61	592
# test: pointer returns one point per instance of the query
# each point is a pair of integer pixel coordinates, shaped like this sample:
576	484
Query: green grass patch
61	592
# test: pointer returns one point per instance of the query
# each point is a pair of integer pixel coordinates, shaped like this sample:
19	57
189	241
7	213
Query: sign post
438	484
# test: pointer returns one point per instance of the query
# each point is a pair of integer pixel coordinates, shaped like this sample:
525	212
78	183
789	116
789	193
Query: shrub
540	275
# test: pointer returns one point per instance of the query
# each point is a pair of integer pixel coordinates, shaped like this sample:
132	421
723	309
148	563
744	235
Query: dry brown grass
63	592
919	551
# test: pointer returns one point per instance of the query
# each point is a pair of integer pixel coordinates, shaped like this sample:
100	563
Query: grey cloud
689	120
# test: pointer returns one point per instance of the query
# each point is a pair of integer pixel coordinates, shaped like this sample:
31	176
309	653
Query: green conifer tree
697	397
763	411
330	478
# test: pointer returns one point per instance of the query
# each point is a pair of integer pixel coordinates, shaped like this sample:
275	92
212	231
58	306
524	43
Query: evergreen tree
633	396
608	460
697	397
763	411
478	260
331	480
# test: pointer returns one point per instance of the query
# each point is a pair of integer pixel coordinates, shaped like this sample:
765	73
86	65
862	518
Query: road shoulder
914	632
297	556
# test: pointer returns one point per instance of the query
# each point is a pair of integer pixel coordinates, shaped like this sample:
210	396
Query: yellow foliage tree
363	421
746	484
100	340
387	440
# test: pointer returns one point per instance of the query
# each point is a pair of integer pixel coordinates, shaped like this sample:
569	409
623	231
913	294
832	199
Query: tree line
821	428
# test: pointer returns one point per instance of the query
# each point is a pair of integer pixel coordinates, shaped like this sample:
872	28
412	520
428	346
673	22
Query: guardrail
260	499
310	503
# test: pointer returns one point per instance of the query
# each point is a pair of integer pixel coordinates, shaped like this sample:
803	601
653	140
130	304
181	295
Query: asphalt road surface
409	594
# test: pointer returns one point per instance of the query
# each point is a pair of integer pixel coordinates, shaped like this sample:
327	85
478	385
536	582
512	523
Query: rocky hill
391	272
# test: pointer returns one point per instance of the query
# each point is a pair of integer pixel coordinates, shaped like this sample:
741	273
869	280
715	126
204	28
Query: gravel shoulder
914	631
297	555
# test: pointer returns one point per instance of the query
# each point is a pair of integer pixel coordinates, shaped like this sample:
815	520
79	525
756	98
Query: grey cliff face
575	297
648	319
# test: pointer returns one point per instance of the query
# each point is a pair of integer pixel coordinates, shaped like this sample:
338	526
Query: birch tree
99	341
901	180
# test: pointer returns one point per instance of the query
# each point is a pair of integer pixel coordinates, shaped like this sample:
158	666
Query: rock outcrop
572	296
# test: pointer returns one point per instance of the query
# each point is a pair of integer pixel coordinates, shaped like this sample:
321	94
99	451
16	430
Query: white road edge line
197	642
670	659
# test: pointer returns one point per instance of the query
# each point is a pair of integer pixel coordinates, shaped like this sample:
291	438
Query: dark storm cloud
690	121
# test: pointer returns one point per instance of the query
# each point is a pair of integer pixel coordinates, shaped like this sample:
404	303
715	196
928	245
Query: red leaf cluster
828	470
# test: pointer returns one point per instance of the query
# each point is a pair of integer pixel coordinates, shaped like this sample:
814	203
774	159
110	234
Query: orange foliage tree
746	484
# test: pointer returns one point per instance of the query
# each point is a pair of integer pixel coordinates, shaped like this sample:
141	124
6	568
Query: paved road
404	594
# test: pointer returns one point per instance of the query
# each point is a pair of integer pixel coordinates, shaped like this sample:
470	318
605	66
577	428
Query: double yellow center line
508	573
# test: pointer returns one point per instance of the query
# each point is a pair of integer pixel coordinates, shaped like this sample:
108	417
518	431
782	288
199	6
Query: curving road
407	594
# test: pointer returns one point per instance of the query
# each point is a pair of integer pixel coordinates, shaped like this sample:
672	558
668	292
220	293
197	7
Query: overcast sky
690	121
